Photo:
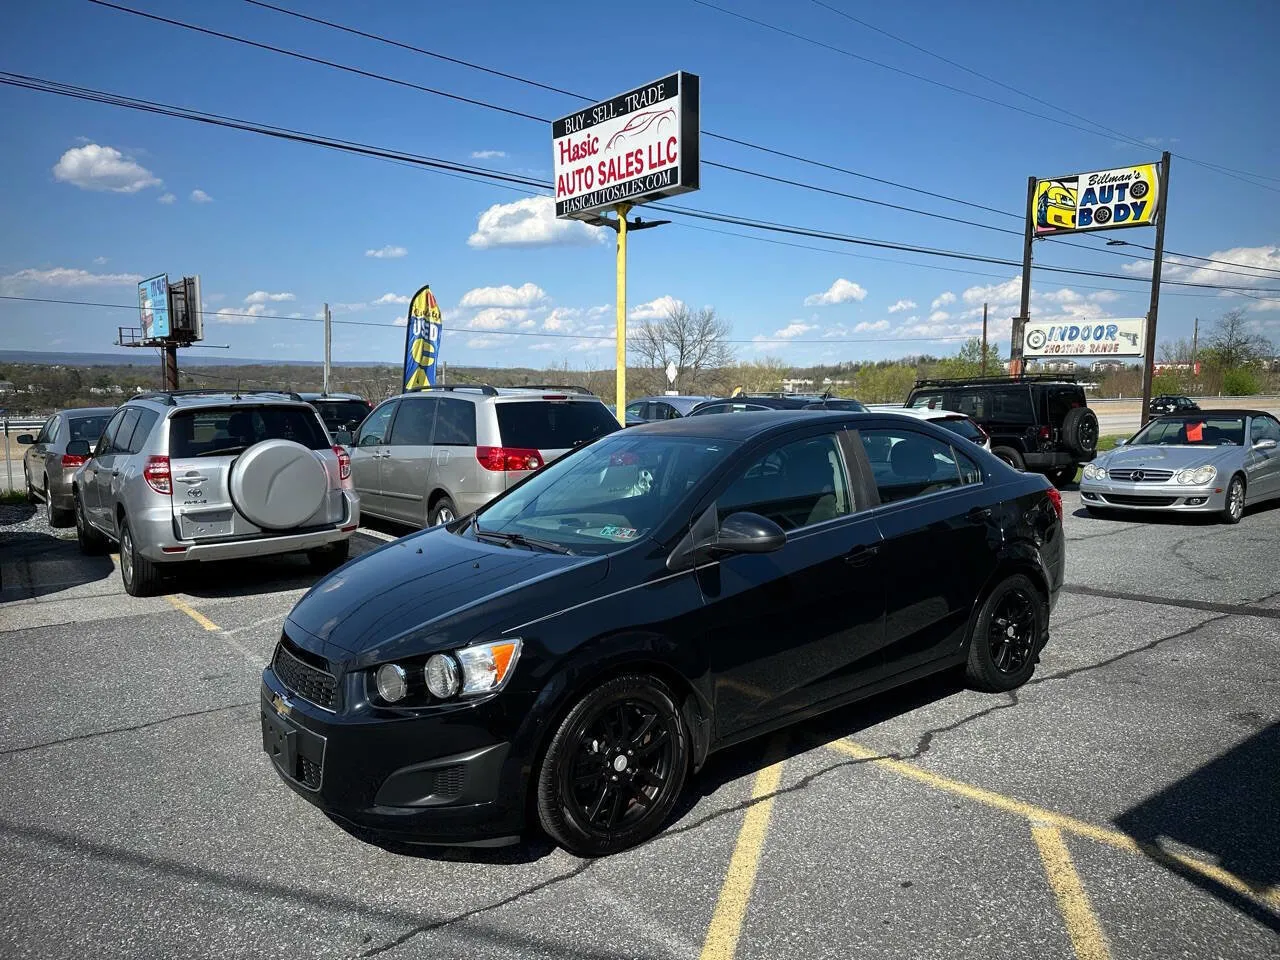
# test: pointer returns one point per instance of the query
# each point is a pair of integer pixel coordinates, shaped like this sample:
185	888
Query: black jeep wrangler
1037	423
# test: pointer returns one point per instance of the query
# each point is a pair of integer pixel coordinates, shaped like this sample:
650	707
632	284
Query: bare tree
1176	351
696	341
1235	343
760	376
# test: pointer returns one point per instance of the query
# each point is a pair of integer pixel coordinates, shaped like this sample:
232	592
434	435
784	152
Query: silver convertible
1212	461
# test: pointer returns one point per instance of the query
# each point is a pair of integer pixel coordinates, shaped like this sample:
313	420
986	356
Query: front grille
1147	476
447	782
1123	500
309	773
310	681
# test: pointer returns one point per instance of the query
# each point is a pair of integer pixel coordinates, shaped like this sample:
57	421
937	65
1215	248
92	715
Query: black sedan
572	652
1168	403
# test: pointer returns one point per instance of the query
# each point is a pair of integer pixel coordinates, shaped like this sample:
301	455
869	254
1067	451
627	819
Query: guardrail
1253	401
16	425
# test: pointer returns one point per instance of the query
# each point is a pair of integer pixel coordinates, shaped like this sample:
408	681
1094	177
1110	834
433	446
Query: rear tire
141	577
1080	431
1010	456
325	559
90	540
1007	636
56	516
443	511
1233	512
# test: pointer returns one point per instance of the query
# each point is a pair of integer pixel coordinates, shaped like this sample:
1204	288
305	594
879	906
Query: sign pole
1153	311
1024	304
170	353
621	392
984	339
328	343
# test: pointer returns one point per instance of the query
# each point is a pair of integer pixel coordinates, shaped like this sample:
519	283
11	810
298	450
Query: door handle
979	514
189	478
860	554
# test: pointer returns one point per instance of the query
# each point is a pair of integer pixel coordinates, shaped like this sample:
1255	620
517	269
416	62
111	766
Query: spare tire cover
278	484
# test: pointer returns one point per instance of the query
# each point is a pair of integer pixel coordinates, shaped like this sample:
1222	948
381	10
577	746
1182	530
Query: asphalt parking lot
1123	804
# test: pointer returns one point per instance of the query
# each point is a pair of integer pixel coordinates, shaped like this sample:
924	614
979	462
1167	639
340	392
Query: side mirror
1267	444
343	438
26	438
78	448
738	533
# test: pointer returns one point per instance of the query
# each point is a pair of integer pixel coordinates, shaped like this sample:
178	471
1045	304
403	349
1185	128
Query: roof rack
168	396
1026	378
567	388
484	388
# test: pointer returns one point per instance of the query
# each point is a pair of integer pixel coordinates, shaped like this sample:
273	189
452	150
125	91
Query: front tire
1007	636
1233	512
141	577
615	767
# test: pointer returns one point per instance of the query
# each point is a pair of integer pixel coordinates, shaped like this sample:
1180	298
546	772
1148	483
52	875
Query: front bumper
439	779
1174	497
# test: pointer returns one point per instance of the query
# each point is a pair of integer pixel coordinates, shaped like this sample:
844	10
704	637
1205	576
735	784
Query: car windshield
605	496
87	428
553	424
1193	431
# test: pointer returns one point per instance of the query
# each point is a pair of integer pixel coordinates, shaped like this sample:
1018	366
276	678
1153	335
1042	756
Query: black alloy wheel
1007	635
614	768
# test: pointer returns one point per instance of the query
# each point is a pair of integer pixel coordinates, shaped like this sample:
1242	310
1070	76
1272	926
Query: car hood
1165	457
432	591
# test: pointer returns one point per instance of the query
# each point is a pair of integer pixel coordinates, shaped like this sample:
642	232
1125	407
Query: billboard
639	146
421	341
1101	200
153	307
1086	338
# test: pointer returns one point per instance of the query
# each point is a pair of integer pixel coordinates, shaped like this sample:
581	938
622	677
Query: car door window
1264	428
46	432
108	435
455	423
794	485
907	464
373	431
120	439
636	411
414	423
1009	406
141	430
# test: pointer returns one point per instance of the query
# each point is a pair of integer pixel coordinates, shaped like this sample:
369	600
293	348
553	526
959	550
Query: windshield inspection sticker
618	533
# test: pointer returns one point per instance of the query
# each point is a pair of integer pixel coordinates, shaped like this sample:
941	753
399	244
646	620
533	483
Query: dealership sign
638	146
1102	200
153	307
1086	338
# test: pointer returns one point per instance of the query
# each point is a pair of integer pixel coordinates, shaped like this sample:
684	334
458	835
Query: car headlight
1092	472
1197	476
472	671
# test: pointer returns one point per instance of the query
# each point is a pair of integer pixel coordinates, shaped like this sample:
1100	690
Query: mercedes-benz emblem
1139	476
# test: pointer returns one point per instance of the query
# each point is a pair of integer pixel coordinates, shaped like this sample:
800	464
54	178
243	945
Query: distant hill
148	358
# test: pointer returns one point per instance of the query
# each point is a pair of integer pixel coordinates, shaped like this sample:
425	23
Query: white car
957	423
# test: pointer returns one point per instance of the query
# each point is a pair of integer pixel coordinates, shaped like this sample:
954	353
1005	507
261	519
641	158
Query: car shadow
254	575
1226	809
37	563
1173	518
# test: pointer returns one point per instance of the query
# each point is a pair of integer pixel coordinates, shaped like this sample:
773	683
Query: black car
649	409
1037	423
339	411
1172	403
744	403
571	653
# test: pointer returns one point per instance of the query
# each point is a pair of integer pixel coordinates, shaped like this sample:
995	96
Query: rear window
229	430
87	428
965	428
1011	406
552	424
338	413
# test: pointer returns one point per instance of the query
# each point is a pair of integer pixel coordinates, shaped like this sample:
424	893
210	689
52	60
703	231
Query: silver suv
194	475
431	456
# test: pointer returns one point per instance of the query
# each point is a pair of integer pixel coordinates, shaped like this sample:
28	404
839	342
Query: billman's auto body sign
1102	200
638	146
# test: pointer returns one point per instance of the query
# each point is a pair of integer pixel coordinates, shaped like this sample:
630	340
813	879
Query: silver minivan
189	475
431	456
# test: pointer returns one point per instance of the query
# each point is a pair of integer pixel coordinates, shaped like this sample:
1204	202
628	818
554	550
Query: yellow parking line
1270	895
193	613
735	894
1086	934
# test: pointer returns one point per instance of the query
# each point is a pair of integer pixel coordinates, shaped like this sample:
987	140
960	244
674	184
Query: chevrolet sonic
569	655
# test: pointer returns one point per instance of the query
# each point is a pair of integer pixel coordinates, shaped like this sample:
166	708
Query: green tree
968	361
1235	342
885	384
1240	382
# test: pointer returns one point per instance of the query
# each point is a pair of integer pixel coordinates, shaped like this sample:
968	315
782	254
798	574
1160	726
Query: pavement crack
1124	655
95	734
925	743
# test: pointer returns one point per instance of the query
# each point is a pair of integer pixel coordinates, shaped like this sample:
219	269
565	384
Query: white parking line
377	534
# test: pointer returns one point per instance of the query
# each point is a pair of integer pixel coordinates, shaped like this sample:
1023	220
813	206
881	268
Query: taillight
1055	497
508	458
1045	433
344	462
71	460
156	473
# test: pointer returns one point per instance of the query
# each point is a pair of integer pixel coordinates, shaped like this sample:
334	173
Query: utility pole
1154	309
1024	303
984	339
328	343
1195	341
620	348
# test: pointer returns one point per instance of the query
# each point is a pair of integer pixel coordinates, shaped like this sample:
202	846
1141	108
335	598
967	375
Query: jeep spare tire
278	484
1080	431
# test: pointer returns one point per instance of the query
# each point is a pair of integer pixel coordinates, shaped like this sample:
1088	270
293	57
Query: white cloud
939	316
530	222
99	260
199	196
527	324
495	318
488	154
240	316
1009	290
902	305
391	298
166	198
658	309
942	300
67	277
485	343
525	295
795	328
868	327
543	346
94	167
387	253
400	321
1249	265
261	296
842	291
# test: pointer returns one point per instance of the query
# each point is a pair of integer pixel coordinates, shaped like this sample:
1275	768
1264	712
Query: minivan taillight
508	458
156	473
71	460
344	463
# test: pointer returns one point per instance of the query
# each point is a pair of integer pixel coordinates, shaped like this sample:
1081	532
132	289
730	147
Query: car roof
777	403
1209	414
194	401
309	397
73	413
754	423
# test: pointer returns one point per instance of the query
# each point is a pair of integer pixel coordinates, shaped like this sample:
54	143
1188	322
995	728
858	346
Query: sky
94	197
